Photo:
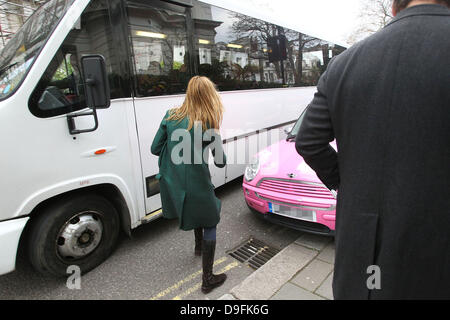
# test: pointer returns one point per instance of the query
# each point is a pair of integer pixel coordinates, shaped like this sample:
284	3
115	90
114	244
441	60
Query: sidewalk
301	271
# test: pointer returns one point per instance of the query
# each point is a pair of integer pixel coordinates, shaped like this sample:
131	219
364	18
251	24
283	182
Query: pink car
282	188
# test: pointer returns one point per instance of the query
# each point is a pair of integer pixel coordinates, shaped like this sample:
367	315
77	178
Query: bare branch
374	15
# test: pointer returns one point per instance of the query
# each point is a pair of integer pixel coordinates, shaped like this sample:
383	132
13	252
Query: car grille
296	188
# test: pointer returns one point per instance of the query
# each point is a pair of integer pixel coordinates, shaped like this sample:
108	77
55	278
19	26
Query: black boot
198	241
210	280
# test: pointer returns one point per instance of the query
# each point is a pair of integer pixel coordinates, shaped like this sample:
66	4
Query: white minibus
84	85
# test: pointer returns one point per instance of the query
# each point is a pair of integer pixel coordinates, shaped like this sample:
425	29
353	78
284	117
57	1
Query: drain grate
253	252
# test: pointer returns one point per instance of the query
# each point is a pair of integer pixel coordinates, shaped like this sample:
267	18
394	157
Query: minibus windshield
19	53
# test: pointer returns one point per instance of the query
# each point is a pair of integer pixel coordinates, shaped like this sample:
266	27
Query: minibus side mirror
96	91
96	83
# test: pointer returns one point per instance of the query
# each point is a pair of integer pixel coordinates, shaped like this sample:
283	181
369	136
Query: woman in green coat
183	141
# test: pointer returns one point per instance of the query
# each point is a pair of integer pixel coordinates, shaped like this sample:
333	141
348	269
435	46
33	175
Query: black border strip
249	134
178	3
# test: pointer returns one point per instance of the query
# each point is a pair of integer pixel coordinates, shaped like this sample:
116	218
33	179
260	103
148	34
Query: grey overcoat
386	100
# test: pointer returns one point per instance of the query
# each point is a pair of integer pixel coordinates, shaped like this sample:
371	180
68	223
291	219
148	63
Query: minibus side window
171	43
160	44
68	76
236	51
61	87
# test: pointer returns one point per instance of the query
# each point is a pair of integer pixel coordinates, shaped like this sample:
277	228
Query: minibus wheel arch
109	191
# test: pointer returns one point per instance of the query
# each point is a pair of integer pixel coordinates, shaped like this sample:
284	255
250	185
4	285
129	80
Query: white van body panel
10	232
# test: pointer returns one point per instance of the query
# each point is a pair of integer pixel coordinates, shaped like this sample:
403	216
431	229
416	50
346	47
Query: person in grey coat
386	101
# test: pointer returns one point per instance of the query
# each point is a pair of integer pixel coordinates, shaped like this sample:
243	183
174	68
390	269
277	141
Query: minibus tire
44	245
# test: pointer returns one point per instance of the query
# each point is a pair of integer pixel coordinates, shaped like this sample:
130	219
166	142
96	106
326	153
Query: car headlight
251	171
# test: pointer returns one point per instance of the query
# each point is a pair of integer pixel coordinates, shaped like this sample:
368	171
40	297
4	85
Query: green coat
186	189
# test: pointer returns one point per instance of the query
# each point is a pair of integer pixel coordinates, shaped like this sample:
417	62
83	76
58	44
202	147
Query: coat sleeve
216	146
160	138
314	137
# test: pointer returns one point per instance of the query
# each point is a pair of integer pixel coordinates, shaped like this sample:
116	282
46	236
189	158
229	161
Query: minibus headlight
251	171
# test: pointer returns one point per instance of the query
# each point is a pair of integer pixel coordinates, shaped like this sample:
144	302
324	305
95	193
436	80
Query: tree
374	15
245	26
297	44
248	27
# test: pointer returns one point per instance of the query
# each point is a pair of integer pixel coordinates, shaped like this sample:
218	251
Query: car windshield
297	125
19	53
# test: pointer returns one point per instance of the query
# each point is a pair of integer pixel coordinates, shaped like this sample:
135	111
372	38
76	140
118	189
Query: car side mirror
96	83
288	130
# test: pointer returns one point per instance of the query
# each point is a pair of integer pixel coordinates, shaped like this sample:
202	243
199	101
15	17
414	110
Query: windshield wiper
4	69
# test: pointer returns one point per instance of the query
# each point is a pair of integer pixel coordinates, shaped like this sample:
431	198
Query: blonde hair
202	103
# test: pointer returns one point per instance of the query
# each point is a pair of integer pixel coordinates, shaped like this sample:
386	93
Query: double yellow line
191	277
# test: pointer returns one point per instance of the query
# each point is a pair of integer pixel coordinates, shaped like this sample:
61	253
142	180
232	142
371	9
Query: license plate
295	213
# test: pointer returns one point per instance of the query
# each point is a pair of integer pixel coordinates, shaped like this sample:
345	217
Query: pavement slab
292	292
327	254
325	290
313	275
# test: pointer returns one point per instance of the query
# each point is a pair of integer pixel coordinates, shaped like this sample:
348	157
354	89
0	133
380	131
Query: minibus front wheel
79	231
